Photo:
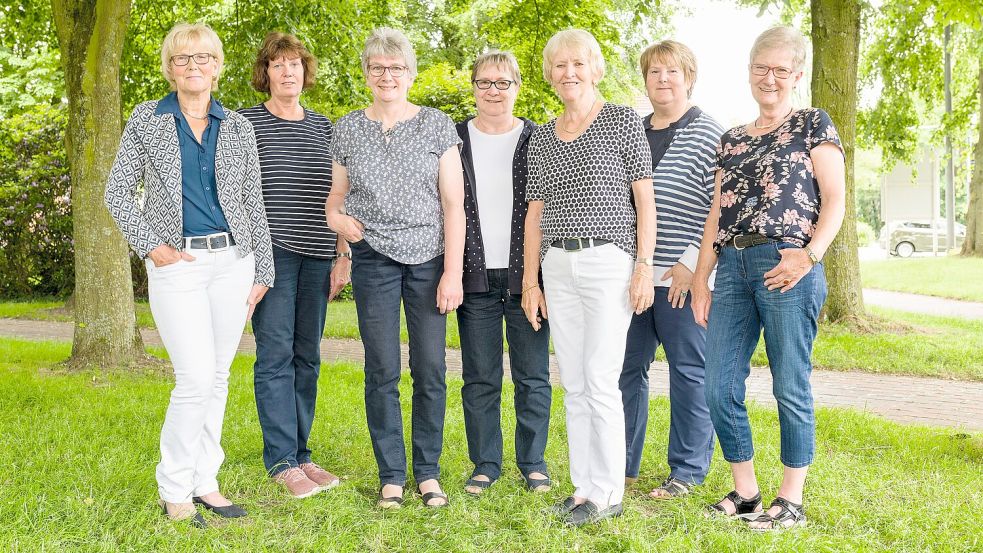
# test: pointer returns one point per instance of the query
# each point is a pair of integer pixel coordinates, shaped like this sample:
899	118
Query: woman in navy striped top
312	265
683	141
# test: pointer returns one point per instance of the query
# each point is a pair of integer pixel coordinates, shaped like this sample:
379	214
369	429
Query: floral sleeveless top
768	185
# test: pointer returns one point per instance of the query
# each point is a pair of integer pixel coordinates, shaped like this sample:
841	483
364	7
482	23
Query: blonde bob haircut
386	42
183	36
497	58
282	45
577	41
783	39
671	54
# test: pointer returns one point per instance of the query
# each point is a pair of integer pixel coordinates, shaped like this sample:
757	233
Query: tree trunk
974	214
90	36
835	47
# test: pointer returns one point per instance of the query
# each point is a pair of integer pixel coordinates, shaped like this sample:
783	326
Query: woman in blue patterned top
683	140
779	200
398	199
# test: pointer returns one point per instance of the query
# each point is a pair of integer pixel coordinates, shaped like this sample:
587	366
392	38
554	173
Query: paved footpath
929	305
907	399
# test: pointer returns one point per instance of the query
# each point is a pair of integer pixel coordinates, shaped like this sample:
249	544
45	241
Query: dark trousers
690	429
379	284
479	321
288	325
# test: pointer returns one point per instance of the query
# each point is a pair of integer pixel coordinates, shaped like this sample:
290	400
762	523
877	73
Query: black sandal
744	508
792	515
482	485
541	485
430	496
392	502
673	488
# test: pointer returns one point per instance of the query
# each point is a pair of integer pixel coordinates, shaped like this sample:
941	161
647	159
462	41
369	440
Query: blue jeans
288	325
379	284
479	321
742	306
690	429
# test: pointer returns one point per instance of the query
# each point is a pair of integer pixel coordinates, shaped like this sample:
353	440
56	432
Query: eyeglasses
485	84
380	70
762	70
200	58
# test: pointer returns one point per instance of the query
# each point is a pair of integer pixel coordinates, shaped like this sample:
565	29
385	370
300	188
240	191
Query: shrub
865	234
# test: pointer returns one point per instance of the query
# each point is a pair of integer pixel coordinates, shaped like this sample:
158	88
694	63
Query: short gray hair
577	40
497	58
782	38
387	42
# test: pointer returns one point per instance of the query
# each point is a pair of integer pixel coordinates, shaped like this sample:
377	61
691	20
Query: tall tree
835	51
974	216
90	37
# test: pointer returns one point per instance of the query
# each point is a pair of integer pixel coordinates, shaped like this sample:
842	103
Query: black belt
217	242
577	244
742	241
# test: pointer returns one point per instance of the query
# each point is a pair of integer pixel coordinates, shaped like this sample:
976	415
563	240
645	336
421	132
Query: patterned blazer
149	154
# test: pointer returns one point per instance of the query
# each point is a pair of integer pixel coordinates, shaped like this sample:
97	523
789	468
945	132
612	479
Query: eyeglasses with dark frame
200	58
779	71
485	84
380	70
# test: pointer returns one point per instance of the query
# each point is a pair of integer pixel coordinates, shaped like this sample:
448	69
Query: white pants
589	314
200	310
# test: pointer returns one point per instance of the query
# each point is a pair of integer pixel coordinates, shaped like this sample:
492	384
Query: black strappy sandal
430	496
673	488
482	485
744	508
791	516
392	502
540	485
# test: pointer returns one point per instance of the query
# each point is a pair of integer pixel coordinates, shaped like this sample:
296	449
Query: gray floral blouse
393	179
768	185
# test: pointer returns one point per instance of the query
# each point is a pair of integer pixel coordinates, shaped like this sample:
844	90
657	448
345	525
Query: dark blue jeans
742	306
690	429
479	321
379	284
288	325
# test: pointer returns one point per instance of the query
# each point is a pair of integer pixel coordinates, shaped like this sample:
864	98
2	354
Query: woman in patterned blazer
201	228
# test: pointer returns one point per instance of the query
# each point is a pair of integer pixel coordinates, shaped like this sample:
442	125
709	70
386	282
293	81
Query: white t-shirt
492	155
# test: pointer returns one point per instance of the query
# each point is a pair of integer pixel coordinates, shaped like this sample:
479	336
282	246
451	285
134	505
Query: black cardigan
475	271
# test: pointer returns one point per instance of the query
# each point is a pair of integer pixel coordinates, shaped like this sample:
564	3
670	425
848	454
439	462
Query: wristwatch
347	254
812	255
644	261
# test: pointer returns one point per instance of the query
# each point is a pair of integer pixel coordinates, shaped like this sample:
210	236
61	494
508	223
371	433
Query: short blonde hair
500	59
183	35
782	38
577	40
282	45
673	54
388	43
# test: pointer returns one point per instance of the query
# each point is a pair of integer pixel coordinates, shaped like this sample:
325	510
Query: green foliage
30	80
865	234
445	88
36	256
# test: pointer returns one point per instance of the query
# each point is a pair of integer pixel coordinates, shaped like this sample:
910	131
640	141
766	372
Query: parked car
903	238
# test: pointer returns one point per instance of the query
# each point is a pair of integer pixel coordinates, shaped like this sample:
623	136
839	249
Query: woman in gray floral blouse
398	199
778	203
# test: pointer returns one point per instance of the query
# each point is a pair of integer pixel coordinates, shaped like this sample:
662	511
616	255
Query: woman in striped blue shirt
683	140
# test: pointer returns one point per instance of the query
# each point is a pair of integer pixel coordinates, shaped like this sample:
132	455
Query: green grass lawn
953	277
926	345
80	449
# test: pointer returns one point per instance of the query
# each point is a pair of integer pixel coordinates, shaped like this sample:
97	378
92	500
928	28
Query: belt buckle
210	237
737	247
580	244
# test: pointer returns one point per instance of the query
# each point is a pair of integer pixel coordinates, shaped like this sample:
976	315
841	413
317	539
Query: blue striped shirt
683	183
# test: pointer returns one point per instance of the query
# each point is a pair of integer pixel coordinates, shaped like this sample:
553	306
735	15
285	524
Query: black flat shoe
538	484
564	507
229	511
196	520
589	513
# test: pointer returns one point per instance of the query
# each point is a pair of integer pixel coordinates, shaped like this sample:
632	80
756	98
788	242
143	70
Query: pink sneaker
297	483
324	479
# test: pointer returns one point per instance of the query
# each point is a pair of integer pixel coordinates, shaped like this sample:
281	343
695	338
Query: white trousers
589	314
200	310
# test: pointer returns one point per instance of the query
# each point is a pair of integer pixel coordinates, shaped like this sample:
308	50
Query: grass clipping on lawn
80	449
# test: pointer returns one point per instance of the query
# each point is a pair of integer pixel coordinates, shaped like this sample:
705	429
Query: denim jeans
742	306
379	284
288	325
690	429
479	321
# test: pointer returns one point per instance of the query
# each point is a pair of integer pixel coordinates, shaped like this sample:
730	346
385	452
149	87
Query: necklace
582	123
777	121
194	116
